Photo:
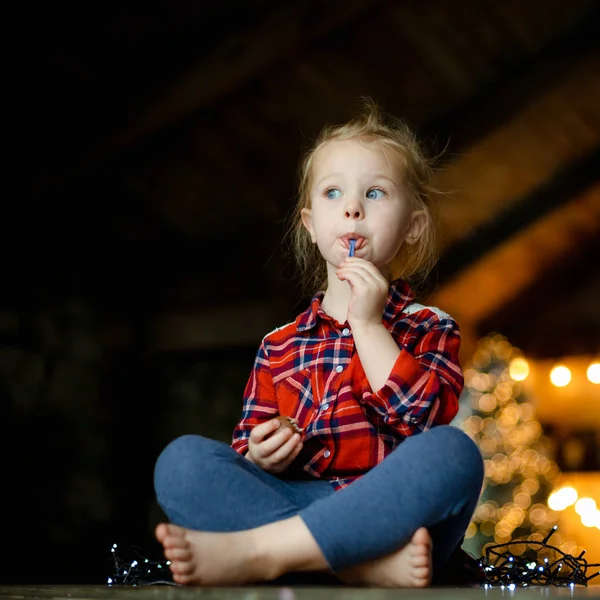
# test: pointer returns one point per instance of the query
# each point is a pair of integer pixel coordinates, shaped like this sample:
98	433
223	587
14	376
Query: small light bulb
518	369
593	372
560	376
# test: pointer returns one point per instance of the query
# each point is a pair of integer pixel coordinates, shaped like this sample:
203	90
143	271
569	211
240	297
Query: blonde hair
414	261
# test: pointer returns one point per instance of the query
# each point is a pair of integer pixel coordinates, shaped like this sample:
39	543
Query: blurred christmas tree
496	413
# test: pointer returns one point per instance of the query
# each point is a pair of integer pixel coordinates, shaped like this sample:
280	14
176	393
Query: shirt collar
400	295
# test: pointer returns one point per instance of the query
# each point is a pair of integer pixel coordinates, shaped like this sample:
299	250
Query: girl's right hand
273	453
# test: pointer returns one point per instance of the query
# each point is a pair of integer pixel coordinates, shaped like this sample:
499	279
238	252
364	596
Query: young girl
372	486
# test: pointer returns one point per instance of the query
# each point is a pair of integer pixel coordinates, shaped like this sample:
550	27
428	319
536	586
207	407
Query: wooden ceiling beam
557	313
497	172
514	88
569	182
501	275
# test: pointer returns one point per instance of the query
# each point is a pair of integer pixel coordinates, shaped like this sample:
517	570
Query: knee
181	459
459	455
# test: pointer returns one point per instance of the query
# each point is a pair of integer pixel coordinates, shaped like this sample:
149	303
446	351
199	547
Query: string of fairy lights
507	565
139	571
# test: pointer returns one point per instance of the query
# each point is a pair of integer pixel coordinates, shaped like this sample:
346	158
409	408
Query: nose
353	209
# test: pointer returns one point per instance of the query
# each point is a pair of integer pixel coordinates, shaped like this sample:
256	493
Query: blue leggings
431	480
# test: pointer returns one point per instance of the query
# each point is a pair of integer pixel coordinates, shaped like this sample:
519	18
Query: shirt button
346	331
327	454
339	368
325	406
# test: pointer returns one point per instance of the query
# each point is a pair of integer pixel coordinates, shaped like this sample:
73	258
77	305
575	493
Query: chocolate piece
289	422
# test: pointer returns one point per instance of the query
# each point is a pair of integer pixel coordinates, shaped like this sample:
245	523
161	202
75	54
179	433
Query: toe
420	561
175	530
421	582
421	537
171	542
161	531
181	568
182	579
168	531
421	575
419	550
178	553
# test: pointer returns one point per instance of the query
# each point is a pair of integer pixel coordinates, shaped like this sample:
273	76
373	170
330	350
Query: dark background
151	171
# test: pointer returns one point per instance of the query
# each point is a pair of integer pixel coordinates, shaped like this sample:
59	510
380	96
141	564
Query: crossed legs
237	524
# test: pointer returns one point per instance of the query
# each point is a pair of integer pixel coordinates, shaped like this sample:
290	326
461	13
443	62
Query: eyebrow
375	176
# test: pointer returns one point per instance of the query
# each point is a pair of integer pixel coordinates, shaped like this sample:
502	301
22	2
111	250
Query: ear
416	227
307	222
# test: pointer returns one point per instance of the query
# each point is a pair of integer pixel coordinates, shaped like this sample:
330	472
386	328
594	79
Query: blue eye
333	194
375	194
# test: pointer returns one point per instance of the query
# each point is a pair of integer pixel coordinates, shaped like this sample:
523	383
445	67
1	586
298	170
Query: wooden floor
166	592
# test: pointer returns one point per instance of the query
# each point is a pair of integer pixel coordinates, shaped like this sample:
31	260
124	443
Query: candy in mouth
352	245
353	242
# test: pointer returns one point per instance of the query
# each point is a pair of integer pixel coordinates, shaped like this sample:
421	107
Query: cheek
321	222
394	240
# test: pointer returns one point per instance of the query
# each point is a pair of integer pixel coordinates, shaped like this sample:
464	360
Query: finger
358	262
288	460
259	432
367	279
295	451
354	278
284	451
275	441
293	455
365	267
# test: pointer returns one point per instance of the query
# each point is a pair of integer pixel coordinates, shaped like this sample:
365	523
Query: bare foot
206	558
408	567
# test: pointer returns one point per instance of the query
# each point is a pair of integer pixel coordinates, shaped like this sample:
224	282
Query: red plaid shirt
310	370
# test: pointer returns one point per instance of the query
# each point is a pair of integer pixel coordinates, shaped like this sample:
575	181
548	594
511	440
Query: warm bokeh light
560	499
593	372
591	519
510	439
560	376
519	369
578	521
585	506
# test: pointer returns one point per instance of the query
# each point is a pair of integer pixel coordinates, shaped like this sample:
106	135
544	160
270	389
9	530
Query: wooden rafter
556	129
560	188
495	104
498	277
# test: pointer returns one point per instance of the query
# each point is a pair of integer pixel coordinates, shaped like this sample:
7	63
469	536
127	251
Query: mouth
353	236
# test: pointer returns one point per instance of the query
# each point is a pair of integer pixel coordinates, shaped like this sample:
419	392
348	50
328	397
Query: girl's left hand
369	290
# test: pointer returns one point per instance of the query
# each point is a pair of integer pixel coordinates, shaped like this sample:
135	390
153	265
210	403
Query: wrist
365	327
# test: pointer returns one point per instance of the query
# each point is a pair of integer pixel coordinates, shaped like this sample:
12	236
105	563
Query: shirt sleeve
260	403
425	384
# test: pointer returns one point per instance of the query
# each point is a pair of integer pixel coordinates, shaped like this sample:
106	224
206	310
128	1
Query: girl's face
357	192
